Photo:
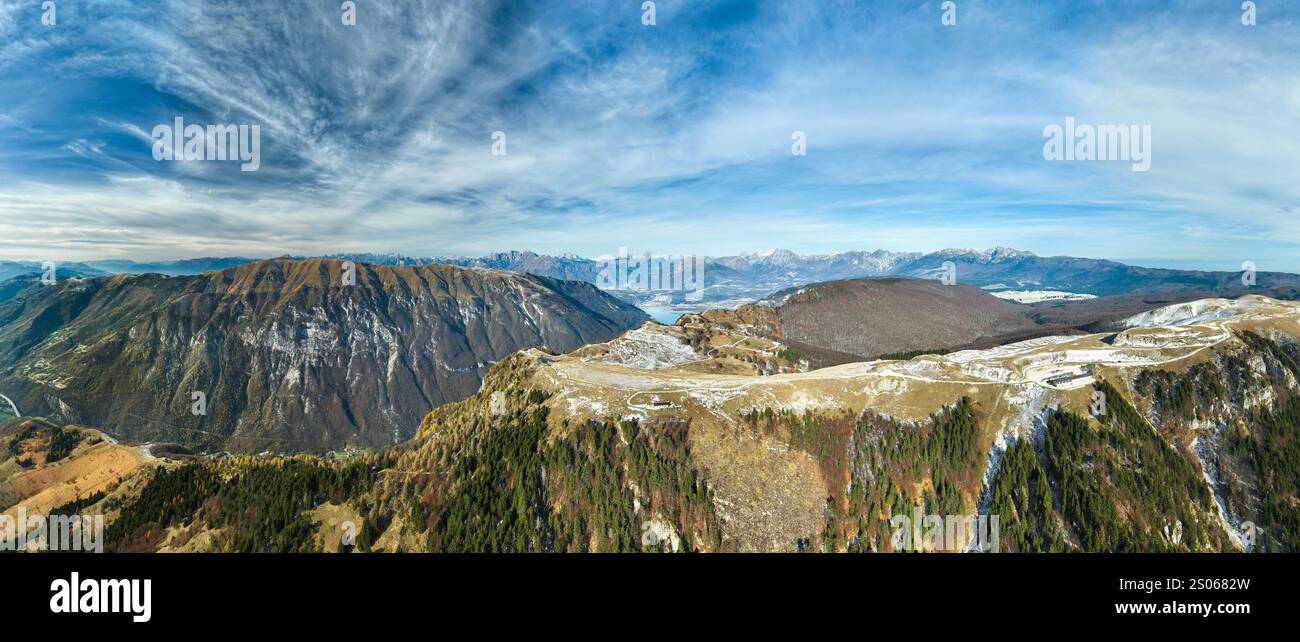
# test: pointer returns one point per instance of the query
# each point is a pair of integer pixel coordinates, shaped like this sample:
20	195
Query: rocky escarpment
280	354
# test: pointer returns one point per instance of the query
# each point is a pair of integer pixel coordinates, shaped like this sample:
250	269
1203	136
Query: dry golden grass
190	539
330	520
90	469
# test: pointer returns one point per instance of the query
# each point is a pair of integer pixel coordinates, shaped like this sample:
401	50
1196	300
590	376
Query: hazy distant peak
773	256
987	254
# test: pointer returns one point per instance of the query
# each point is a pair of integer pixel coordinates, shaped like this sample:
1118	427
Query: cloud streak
673	138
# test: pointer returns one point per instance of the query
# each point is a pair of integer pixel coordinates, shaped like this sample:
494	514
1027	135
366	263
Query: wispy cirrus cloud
677	136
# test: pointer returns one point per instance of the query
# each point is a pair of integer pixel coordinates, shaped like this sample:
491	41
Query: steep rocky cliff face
1238	415
280	354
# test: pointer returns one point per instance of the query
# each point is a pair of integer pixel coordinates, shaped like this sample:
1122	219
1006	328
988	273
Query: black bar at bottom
306	592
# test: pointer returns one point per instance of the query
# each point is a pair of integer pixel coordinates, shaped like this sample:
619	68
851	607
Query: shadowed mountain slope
868	317
285	355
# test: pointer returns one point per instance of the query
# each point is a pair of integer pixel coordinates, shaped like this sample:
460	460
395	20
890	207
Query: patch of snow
1038	296
1205	450
987	371
1192	312
1155	338
648	348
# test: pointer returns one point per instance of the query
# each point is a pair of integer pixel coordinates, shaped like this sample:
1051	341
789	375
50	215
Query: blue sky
673	138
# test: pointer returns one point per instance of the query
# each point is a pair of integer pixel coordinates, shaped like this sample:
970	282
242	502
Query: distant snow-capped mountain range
734	280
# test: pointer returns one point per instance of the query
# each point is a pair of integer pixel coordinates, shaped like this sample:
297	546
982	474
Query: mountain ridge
287	354
1041	272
